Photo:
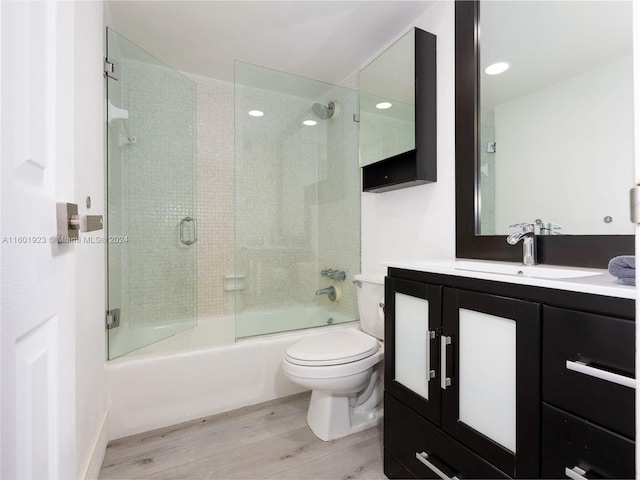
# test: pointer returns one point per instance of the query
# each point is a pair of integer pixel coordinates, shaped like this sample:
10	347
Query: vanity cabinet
476	382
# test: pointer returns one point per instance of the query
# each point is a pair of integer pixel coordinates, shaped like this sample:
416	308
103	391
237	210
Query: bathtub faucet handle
334	274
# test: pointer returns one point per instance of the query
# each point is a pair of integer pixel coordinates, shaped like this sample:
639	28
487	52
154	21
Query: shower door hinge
111	68
113	318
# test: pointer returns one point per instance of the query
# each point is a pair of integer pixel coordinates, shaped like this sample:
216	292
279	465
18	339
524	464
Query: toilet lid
333	348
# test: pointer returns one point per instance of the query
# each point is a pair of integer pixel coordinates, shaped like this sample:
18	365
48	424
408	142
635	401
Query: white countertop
594	281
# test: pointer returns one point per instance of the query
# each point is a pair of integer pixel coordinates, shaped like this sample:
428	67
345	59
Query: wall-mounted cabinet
398	115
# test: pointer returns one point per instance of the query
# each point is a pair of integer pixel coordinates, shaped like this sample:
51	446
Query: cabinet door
412	332
490	349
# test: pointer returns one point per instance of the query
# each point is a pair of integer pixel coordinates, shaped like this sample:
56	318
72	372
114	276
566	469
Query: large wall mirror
549	140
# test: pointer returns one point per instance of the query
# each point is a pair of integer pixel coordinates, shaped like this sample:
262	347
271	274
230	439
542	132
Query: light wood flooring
269	440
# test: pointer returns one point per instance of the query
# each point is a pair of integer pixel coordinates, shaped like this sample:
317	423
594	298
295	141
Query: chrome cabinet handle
431	335
444	380
575	473
616	378
423	458
195	230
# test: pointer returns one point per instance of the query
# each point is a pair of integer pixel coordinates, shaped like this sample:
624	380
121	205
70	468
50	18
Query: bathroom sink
534	271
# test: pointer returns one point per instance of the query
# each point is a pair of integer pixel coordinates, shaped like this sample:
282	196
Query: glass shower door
151	198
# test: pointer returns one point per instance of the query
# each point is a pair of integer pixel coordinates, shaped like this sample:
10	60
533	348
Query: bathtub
189	376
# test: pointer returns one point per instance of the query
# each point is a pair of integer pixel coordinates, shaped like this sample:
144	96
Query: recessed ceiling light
256	113
310	123
496	68
383	105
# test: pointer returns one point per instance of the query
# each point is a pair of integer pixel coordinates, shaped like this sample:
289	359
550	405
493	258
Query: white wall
585	140
91	434
418	223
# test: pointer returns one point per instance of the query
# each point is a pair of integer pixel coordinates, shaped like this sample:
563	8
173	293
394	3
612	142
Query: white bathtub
186	377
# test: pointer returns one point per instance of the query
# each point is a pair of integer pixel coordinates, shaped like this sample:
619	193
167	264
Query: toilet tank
370	291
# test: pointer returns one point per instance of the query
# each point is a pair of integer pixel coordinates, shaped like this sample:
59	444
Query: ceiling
323	40
546	42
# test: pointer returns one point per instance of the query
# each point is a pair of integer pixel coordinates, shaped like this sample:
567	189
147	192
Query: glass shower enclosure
151	190
297	201
275	157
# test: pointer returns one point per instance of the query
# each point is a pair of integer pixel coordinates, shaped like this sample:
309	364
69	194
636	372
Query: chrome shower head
323	112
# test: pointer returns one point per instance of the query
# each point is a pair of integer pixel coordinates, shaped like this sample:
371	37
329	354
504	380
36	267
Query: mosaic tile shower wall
216	243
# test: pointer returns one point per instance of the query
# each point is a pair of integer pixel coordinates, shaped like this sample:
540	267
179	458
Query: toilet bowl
343	369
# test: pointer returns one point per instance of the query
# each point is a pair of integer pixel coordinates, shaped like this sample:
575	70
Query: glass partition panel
151	171
297	196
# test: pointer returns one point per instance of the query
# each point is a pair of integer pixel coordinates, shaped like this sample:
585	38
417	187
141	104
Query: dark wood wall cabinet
486	379
419	165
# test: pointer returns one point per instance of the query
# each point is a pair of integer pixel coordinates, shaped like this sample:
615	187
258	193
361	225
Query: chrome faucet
329	291
528	236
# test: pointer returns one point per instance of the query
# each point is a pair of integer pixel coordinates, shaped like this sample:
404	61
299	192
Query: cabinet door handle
423	458
585	369
444	380
575	473
431	335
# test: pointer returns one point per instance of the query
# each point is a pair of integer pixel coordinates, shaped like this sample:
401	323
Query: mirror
522	153
556	128
387	102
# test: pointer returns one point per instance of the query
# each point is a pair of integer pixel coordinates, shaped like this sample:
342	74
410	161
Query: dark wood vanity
567	422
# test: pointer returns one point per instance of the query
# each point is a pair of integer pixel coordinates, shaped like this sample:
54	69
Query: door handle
575	473
195	230
423	457
444	380
616	378
431	335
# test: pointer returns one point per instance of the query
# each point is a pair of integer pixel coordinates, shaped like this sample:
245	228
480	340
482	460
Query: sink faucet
528	237
329	291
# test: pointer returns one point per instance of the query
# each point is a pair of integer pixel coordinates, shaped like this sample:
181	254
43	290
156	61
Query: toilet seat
332	348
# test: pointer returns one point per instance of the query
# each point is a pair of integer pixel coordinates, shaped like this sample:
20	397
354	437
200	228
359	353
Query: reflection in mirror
387	102
556	128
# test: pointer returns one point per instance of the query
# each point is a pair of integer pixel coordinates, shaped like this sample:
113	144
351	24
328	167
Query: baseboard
91	470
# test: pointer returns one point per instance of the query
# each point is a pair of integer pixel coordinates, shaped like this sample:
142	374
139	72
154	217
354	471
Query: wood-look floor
269	440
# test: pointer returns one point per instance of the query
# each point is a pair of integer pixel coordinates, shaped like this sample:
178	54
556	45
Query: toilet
343	368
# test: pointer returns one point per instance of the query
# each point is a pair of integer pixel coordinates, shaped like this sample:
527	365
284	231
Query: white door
37	401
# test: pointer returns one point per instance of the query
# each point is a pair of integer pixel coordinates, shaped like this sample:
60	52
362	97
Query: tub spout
329	291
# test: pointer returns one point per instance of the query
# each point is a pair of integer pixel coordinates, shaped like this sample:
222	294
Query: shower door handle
195	230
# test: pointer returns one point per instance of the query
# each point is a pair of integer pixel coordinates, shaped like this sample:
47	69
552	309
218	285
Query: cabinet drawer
406	434
573	340
568	442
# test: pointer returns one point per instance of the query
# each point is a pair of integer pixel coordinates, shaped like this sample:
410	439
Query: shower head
323	112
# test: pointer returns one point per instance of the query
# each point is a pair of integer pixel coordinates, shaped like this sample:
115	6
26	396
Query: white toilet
343	368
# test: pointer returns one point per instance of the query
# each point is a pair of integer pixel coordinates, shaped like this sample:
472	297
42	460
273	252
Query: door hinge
113	318
634	200
111	68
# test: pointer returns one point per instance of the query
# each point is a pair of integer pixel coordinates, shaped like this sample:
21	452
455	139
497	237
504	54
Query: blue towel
624	268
